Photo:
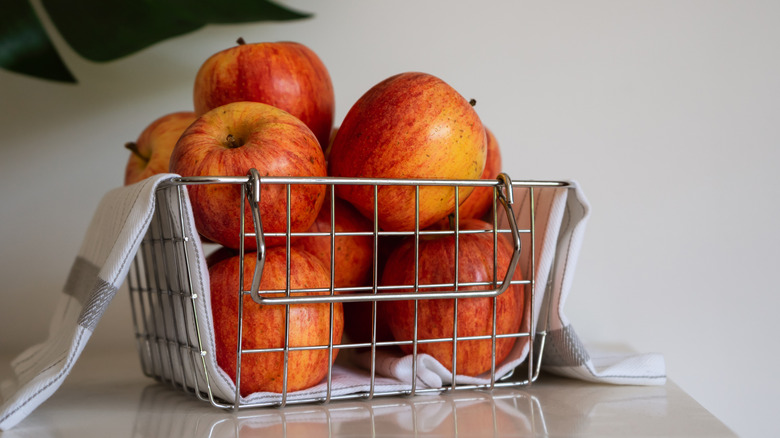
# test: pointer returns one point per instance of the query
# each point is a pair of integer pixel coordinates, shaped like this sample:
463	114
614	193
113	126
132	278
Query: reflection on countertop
470	413
107	395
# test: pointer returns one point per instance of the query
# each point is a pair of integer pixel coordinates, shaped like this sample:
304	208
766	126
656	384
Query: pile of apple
270	106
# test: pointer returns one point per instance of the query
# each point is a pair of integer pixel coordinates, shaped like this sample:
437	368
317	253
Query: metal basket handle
253	189
505	199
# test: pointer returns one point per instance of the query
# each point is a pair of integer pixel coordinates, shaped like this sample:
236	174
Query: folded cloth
564	353
125	215
114	234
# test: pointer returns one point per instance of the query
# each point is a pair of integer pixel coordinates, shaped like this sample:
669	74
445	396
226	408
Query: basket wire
163	305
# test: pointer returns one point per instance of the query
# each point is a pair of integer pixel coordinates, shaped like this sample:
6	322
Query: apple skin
287	75
264	325
271	141
358	315
480	201
354	254
151	152
411	125
475	315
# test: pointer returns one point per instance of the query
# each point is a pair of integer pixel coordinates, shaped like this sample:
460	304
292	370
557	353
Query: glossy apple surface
411	125
287	75
230	140
264	325
437	259
150	154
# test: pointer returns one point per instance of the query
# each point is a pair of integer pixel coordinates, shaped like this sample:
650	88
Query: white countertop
108	395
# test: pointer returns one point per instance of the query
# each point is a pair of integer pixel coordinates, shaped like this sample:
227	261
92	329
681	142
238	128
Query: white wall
665	112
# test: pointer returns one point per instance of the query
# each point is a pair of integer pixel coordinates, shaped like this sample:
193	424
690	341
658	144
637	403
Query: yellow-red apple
411	125
437	259
480	201
234	138
264	325
151	152
287	75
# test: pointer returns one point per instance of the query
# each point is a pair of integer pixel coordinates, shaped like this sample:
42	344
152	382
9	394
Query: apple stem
233	141
240	41
451	220
133	147
473	102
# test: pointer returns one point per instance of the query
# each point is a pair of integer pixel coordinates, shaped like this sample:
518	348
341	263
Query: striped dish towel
98	271
563	214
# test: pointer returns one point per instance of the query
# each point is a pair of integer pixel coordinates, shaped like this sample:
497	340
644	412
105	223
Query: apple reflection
164	412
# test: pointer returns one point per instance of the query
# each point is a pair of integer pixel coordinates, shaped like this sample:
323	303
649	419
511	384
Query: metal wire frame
163	305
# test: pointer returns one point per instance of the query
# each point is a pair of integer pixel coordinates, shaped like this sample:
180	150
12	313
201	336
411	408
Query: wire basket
171	332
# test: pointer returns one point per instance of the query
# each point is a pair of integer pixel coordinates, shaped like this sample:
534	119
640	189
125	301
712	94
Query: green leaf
233	11
104	30
25	47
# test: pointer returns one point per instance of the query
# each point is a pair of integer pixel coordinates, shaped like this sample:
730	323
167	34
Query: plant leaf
232	11
101	30
104	30
25	47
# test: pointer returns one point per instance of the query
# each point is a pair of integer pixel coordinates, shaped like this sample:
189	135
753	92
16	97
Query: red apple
151	153
264	325
477	205
475	315
354	255
286	75
232	139
411	125
358	315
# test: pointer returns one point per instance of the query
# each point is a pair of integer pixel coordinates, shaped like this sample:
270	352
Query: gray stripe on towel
97	304
90	290
81	279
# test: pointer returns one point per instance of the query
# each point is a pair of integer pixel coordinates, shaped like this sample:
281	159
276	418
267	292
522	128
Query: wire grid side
162	301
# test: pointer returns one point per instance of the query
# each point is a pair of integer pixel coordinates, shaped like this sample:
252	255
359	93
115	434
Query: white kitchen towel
125	215
564	353
99	269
